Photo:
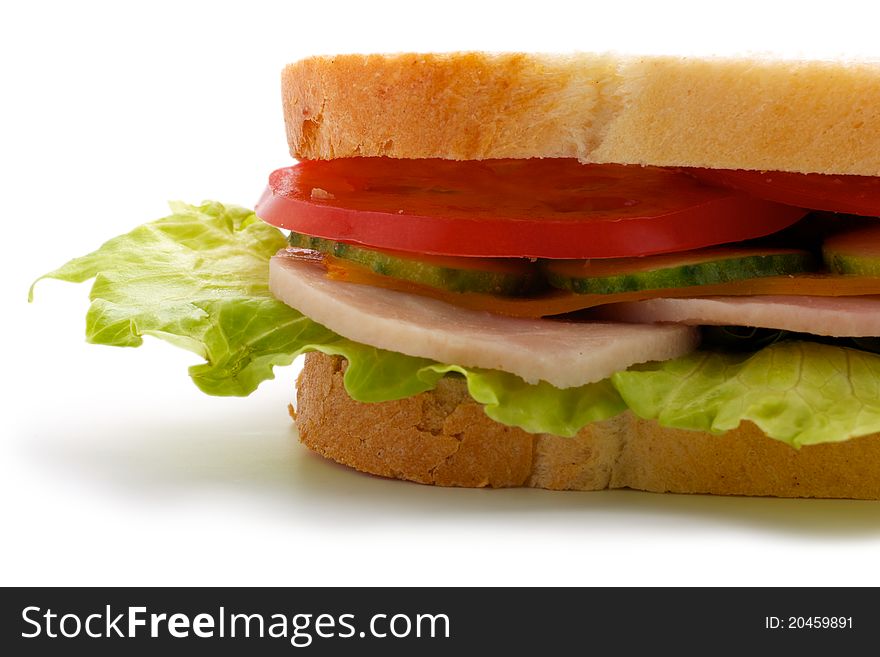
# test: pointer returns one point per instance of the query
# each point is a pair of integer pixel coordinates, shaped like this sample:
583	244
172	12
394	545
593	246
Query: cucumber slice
855	253
501	276
674	270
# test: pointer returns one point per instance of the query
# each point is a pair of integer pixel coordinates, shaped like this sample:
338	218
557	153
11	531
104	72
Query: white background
116	470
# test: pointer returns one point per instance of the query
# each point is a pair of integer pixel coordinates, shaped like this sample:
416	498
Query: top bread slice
783	115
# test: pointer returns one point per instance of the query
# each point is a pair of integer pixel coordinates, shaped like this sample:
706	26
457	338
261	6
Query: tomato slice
551	208
817	191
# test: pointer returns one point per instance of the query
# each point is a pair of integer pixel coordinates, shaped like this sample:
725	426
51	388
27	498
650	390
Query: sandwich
566	272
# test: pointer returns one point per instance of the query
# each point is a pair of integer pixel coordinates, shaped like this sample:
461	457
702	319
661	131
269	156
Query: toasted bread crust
443	437
669	111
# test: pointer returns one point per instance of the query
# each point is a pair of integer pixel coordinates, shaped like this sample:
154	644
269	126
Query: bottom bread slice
443	437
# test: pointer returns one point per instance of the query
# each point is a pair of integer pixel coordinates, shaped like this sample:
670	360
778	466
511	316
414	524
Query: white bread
669	111
443	437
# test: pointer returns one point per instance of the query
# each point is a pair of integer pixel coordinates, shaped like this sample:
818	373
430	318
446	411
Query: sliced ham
830	316
565	354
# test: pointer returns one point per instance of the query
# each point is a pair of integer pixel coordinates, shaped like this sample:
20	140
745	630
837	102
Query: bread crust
443	437
786	115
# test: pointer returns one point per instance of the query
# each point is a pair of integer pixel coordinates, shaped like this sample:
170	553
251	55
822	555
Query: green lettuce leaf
540	408
801	393
199	279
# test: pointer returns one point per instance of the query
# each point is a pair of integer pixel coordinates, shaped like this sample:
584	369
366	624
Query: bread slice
804	116
443	437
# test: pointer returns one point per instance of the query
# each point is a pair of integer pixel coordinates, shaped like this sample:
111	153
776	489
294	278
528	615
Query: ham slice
564	354
830	316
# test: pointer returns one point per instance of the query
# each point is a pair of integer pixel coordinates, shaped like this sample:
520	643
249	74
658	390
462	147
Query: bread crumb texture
763	114
443	437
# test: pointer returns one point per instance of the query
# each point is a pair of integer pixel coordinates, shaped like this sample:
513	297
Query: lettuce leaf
801	393
199	279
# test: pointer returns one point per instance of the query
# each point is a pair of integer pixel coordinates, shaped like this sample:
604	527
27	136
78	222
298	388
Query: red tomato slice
552	208
817	191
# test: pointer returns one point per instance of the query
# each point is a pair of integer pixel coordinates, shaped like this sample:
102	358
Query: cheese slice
563	353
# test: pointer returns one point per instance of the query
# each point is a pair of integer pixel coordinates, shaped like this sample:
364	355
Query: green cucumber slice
501	276
674	270
854	253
